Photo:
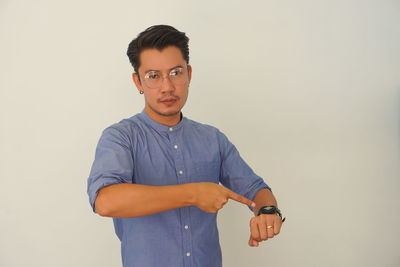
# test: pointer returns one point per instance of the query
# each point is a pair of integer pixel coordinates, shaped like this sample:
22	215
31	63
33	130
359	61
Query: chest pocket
206	171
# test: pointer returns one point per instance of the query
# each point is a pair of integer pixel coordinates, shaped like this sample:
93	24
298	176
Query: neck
170	120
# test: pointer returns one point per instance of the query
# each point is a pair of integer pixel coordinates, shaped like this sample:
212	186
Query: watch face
268	210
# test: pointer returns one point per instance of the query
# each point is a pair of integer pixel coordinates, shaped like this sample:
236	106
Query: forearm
134	200
264	197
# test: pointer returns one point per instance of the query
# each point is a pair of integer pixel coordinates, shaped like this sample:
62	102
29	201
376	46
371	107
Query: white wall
309	91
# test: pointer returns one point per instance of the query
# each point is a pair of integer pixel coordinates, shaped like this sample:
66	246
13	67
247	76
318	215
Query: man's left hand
263	227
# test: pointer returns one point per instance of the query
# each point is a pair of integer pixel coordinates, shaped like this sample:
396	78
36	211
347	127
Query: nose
167	85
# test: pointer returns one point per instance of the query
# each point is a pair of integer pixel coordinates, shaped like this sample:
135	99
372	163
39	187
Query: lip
168	100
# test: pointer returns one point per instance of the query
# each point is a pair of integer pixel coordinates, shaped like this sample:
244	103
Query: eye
152	75
176	72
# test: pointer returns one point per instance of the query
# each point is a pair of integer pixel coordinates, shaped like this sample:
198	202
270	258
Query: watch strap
275	211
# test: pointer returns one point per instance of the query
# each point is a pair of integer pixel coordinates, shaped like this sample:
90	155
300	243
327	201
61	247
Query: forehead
154	59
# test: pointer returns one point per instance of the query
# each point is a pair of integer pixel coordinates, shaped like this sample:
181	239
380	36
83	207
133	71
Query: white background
308	91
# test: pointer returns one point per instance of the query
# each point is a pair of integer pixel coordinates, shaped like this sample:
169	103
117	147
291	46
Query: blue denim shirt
141	151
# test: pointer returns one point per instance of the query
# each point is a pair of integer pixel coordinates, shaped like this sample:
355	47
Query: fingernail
253	204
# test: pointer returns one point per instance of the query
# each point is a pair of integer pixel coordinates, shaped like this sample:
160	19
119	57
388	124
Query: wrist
257	208
270	210
189	194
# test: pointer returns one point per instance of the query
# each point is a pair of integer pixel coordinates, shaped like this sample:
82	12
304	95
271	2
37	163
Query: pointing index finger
241	199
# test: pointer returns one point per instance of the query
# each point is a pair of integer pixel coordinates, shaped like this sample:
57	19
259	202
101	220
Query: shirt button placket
177	157
185	210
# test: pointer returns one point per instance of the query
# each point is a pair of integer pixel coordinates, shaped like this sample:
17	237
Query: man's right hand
211	197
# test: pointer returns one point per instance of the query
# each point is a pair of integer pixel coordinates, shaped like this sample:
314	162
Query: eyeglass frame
184	69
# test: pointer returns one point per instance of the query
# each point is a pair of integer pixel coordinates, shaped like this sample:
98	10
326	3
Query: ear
137	82
189	67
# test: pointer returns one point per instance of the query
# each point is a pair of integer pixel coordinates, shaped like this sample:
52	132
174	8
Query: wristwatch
270	210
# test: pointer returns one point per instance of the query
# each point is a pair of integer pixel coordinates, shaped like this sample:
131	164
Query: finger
241	199
270	224
262	227
252	242
255	233
270	231
277	224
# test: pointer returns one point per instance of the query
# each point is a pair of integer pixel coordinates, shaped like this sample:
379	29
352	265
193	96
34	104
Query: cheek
184	92
150	97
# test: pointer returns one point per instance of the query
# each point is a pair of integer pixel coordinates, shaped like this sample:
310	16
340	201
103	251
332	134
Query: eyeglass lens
154	79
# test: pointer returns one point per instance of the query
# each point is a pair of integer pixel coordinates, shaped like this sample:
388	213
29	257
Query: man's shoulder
202	126
207	131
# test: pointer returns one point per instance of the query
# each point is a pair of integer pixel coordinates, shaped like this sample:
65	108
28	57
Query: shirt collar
160	127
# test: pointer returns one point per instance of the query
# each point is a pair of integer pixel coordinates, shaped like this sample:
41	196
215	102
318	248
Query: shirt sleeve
113	163
235	173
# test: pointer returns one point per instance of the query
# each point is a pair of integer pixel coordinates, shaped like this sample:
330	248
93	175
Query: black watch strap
270	210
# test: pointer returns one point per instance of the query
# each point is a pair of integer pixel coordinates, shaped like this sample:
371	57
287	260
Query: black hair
159	37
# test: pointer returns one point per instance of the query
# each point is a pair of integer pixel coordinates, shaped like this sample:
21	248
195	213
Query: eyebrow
177	66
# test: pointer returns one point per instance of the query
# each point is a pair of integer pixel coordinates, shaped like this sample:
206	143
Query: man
158	173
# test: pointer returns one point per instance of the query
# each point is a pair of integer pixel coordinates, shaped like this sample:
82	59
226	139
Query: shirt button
170	129
175	146
188	254
180	172
186	227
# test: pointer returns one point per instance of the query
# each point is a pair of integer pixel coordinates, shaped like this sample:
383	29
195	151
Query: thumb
252	242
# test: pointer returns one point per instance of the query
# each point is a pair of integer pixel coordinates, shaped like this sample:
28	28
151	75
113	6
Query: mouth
169	100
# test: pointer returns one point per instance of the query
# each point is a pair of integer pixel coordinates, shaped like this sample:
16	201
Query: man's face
168	97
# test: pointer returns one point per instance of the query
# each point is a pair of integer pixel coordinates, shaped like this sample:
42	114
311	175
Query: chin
167	111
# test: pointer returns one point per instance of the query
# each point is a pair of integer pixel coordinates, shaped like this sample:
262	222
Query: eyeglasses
154	79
